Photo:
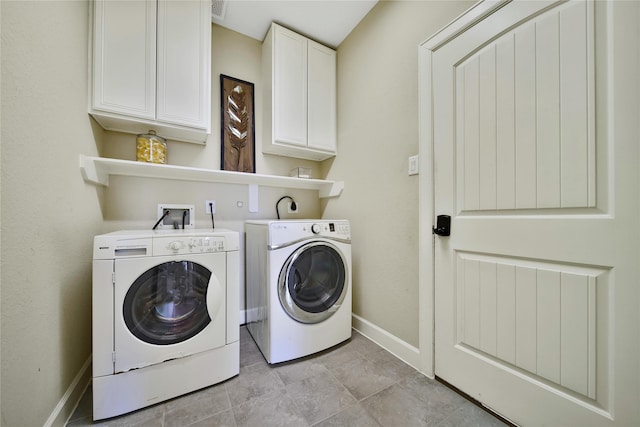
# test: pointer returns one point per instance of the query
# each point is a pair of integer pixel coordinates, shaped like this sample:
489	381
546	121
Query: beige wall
377	132
48	213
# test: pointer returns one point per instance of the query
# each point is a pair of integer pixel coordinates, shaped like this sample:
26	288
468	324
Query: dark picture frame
237	123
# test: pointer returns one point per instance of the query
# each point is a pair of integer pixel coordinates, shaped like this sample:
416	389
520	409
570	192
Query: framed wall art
237	123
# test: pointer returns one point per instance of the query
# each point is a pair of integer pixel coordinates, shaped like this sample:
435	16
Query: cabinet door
124	55
183	67
321	126
290	87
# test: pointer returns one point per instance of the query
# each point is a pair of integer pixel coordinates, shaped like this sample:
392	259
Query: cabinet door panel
184	93
322	97
124	45
290	87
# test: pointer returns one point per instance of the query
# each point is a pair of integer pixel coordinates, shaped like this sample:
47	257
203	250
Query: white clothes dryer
165	315
298	286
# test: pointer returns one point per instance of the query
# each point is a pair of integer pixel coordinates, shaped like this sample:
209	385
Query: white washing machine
298	286
165	315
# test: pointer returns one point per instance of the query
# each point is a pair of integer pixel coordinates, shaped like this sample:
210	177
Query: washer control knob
315	228
175	245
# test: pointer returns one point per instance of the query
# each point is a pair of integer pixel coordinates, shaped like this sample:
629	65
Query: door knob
443	226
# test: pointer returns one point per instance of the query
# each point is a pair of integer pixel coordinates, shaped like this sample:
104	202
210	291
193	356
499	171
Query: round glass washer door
167	304
312	283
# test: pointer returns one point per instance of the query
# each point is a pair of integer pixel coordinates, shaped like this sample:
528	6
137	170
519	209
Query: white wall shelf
98	169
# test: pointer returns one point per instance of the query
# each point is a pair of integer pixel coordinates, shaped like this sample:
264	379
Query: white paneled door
534	133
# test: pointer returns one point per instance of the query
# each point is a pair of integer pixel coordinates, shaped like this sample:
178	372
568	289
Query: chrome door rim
286	300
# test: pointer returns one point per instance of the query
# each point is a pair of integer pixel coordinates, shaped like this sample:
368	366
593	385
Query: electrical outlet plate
292	211
210	205
174	219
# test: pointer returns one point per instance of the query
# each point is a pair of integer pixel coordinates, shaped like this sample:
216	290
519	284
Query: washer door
168	307
167	304
312	283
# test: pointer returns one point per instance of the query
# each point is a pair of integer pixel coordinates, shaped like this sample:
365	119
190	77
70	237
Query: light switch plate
253	198
413	165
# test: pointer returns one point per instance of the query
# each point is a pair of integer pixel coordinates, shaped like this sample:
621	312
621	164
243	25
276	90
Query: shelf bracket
331	189
92	172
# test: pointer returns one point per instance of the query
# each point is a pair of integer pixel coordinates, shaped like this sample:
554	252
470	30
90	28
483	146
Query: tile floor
353	384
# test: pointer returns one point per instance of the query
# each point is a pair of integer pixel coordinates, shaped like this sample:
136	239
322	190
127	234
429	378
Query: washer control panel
171	245
146	243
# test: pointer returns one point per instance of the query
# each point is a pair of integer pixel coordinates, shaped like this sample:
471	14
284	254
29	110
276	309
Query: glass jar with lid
151	148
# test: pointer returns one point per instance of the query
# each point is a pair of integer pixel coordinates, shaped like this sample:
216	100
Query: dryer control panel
340	228
286	232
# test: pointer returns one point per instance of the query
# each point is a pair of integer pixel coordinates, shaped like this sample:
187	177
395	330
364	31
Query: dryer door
312	283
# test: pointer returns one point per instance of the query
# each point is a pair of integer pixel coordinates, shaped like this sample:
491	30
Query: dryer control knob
315	228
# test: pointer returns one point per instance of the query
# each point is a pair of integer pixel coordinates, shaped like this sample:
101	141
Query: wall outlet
175	216
293	211
210	206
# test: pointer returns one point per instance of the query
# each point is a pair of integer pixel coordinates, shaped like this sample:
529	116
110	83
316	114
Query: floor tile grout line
293	401
354	348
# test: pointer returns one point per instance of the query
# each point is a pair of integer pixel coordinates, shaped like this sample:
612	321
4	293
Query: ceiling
326	21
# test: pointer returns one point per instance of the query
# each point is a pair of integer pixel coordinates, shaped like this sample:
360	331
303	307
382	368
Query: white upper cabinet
152	67
321	94
300	96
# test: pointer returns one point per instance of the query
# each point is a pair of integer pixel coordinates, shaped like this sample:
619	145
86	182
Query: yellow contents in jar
151	149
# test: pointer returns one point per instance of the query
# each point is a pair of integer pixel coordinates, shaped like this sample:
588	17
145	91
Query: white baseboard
402	350
69	401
